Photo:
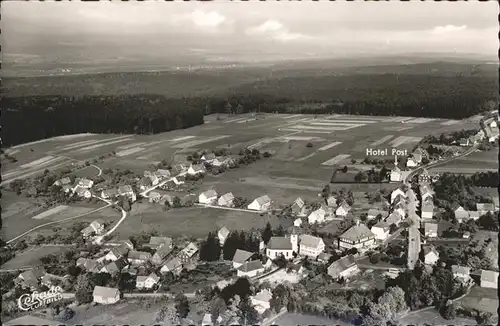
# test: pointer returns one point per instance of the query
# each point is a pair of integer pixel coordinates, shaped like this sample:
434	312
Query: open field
432	317
482	299
31	256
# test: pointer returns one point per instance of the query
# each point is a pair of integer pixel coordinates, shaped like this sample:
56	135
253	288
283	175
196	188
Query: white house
460	213
282	246
381	230
358	236
318	216
147	282
344	268
127	191
297	222
310	246
331	202
222	235
116	253
261	203
250	269
85	183
489	279
173	266
431	255
96	227
208	197
461	273
138	257
297	206
196	169
261	301
241	257
425	193
154	197
187	254
226	200
396	175
411	163
208	157
106	295
427	209
394	218
83	193
62	182
343	209
484	208
397	192
109	193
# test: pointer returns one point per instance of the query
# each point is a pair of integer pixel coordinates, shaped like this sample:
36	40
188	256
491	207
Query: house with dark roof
173	266
242	256
109	193
145	183
157	242
310	246
345	268
138	257
161	254
373	213
324	257
96	227
358	236
106	295
282	246
89	265
62	182
117	253
188	253
30	278
250	269
115	267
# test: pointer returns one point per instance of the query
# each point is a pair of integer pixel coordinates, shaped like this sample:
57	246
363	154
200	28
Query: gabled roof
227	197
162	252
111	192
427	206
208	156
394	217
431	227
241	256
262	200
341	265
190	250
251	266
485	207
344	206
173	263
197	167
357	232
120	250
299	202
279	243
264	295
139	255
125	189
157	241
209	193
223	232
375	212
81	191
456	269
430	249
382	225
310	241
489	276
105	292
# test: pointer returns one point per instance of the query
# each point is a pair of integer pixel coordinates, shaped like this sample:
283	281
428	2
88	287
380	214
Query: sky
109	32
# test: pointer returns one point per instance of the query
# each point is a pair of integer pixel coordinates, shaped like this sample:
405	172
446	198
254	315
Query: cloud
448	29
274	30
210	21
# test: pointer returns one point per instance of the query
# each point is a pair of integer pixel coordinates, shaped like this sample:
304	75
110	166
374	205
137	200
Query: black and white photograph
264	163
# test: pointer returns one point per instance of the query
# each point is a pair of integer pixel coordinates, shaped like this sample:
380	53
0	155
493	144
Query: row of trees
37	117
448	138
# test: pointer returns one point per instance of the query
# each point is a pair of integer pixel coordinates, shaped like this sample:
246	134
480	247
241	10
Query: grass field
482	299
31	256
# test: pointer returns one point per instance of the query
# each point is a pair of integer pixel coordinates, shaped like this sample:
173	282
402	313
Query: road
145	192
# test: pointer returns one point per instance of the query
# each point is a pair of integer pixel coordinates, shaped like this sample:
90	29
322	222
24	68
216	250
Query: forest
31	118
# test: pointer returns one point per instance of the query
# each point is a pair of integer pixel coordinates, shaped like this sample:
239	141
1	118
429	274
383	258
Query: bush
309	144
374	259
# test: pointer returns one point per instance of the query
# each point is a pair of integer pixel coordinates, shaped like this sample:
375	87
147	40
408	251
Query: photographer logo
31	301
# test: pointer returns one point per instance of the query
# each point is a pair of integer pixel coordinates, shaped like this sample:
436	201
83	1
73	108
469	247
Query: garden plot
40	161
196	142
129	146
336	160
450	122
293	116
88	142
381	140
330	128
102	144
354	121
404	140
129	151
307	131
49	212
420	120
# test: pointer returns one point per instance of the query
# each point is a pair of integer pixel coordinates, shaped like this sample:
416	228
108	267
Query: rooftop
279	243
357	232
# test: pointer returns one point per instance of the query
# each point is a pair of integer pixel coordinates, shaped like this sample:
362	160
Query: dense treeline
27	119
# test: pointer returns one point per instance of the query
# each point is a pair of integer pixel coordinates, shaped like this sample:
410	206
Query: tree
360	176
83	289
280	231
181	305
210	248
448	311
281	295
267	233
176	202
309	144
248	315
344	169
217	308
74	270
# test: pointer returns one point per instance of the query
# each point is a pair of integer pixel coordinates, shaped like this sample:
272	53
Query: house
89	265
417	158
218	162
297	222
420	151
425	193
154	197
261	301
484	208
147	282
324	257
109	193
138	257
464	142
411	163
344	268
85	183
52	280
114	267
297	206
431	255
157	242
381	230
282	246
116	253
242	256
208	197
83	193
489	279
310	246
178	180
397	192
250	269
160	254
226	200
173	266
358	236
343	209
187	254
208	157
207	320
63	182
67	189
261	203
178	169
373	213
162	173
427	209
127	191
394	218
396	175
145	183
331	202
105	295
127	244
196	169
460	213
318	216
30	278
222	235
170	184
466	235
474	215
96	227
461	273
154	178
